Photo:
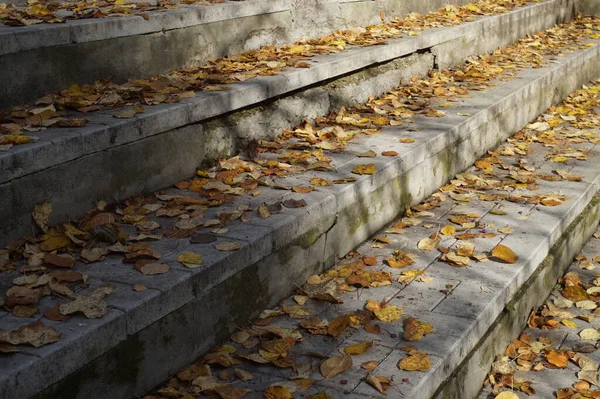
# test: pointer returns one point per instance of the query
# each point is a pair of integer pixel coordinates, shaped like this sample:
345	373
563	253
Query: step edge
240	96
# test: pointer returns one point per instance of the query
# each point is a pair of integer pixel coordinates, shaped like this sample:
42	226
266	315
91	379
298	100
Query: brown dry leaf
230	392
407	140
317	181
368	169
139	288
414	329
338	325
35	334
379	383
24	311
372	328
243	375
302	189
456	260
504	253
335	365
228	246
358	349
557	358
277	392
59	260
41	215
389	153
294	203
263	211
151	269
415	362
369	365
52	243
190	259
92	306
368	154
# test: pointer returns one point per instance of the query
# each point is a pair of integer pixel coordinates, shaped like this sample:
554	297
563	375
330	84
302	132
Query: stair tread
59	145
131	312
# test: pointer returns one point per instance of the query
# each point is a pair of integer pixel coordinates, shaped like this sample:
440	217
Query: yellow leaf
277	392
448	230
504	253
190	259
560	159
416	362
317	181
506	395
569	323
358	349
414	329
389	313
368	169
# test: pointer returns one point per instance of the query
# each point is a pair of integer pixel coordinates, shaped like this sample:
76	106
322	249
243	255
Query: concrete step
473	310
38	58
148	335
548	381
111	159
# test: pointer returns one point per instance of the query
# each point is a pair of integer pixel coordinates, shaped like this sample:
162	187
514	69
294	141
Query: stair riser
26	75
173	341
465	382
588	7
80	183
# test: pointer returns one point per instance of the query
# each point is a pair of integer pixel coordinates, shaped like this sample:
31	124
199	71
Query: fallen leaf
41	215
152	268
190	259
378	383
589	334
428	244
335	365
92	306
415	362
448	230
504	253
557	358
389	313
338	325
358	349
230	392
277	392
414	329
368	169
369	365
228	246
36	334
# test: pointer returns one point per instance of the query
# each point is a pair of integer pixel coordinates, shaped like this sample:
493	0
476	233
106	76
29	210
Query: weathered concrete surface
588	7
227	135
60	155
466	380
43	58
163	326
548	381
